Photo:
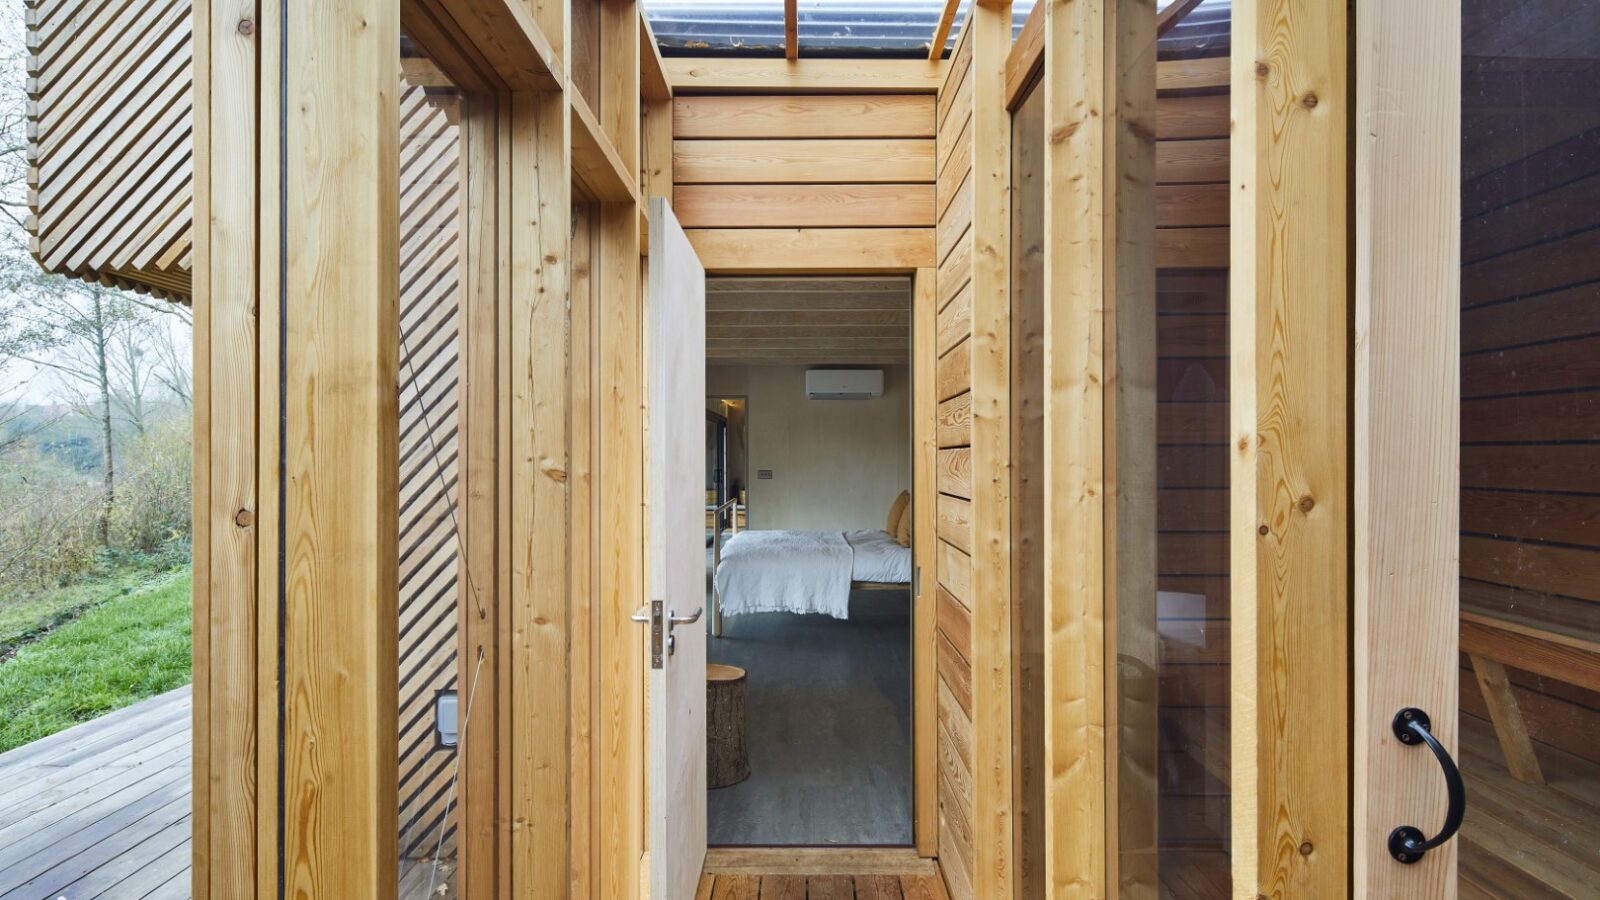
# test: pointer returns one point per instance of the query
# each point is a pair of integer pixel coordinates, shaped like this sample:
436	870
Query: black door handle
1407	843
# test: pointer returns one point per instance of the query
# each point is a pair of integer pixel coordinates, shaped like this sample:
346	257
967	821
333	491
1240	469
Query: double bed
803	571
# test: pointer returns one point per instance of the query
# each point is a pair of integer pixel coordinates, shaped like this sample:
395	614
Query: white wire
455	774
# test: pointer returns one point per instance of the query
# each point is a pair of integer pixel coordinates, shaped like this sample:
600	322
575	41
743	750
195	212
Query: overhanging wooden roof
110	117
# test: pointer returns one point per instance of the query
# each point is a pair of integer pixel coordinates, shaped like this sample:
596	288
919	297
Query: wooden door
675	356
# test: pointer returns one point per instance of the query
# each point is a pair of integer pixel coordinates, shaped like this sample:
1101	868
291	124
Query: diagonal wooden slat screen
431	258
110	160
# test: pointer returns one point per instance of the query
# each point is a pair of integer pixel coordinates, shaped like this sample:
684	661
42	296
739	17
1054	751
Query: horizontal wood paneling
804	116
876	161
955	472
804	206
954	372
798	250
955	422
955	522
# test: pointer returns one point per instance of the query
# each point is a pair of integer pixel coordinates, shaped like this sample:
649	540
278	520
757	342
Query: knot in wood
244	518
247	26
1309	101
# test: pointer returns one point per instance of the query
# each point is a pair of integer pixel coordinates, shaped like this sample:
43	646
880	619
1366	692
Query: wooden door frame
1407	428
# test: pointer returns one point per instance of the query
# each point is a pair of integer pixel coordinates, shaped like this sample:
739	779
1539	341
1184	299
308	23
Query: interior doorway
810	564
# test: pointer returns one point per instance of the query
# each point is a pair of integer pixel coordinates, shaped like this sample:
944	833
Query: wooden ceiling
808	321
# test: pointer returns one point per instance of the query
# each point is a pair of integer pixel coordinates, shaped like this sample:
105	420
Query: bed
803	571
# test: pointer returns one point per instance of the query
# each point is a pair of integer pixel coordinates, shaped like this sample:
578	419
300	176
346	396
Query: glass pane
1182	669
1530	448
431	554
827	27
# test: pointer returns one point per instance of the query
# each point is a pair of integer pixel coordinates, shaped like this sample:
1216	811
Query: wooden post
1290	323
1099	83
925	548
338	336
226	508
1406	421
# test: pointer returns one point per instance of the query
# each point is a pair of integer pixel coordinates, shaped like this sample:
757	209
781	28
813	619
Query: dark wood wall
1530	365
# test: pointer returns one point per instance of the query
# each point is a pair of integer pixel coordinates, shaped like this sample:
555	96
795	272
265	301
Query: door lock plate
658	629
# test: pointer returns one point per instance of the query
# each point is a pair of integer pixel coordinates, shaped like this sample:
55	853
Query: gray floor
828	722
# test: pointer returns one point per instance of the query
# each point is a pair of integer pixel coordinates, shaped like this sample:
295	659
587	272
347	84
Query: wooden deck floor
100	810
103	809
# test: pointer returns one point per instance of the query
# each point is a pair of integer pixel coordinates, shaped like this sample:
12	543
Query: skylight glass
865	28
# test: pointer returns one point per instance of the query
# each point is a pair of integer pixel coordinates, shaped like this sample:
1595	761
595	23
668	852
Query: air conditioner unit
844	384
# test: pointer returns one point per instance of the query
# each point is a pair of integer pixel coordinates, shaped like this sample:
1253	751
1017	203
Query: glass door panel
1530	449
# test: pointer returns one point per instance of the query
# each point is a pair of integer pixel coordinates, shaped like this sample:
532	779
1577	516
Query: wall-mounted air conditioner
844	384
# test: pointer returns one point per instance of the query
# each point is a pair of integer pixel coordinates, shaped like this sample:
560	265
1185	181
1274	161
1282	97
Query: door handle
690	619
1407	844
641	615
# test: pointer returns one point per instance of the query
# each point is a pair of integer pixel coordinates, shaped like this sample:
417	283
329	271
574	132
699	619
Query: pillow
897	511
902	531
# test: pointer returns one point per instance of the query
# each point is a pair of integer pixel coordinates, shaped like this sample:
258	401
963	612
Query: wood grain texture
339	452
805	206
1290	478
819	250
225	837
821	161
803	116
993	873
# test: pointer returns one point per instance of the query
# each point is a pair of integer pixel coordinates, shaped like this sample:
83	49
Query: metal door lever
690	619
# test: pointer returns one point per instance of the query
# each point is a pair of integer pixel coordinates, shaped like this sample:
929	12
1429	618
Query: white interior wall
836	464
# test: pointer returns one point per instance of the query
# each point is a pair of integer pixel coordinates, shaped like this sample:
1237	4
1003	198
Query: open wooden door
675	477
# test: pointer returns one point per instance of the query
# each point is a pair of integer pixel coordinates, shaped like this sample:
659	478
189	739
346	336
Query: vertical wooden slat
580	480
1407	428
480	614
225	506
1290	521
269	25
620	469
993	873
925	464
1099	83
339	470
541	223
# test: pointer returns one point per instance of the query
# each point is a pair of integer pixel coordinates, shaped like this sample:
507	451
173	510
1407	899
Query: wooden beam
653	81
1174	13
941	31
779	76
596	165
510	40
340	340
993	802
1289	339
535	415
1099	270
1026	57
791	30
824	250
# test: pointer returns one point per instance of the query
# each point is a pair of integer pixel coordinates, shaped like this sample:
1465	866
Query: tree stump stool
727	757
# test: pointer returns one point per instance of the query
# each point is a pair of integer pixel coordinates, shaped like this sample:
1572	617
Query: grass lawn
24	616
117	652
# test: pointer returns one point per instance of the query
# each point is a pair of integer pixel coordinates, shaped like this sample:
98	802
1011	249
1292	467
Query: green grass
132	646
26	615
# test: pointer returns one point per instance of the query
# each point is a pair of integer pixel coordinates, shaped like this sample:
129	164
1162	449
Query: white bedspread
785	571
878	557
805	571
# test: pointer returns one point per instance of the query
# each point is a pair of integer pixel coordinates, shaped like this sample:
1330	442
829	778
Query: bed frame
716	562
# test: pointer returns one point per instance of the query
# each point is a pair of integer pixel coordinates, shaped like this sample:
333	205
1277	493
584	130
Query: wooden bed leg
1509	726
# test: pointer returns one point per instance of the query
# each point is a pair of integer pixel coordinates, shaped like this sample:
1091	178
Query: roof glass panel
865	28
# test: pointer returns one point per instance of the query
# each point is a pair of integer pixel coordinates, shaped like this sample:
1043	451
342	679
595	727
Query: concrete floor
828	722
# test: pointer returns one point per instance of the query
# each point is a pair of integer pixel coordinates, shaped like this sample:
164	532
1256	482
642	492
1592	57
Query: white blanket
805	571
878	557
785	571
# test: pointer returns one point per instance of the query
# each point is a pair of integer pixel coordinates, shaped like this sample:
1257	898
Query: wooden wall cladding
1530	386
779	182
954	393
110	119
1192	164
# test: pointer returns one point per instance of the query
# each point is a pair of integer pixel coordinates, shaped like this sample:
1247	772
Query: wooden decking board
104	810
822	887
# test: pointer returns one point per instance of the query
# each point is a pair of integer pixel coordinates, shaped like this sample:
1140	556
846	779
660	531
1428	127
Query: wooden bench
1493	643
